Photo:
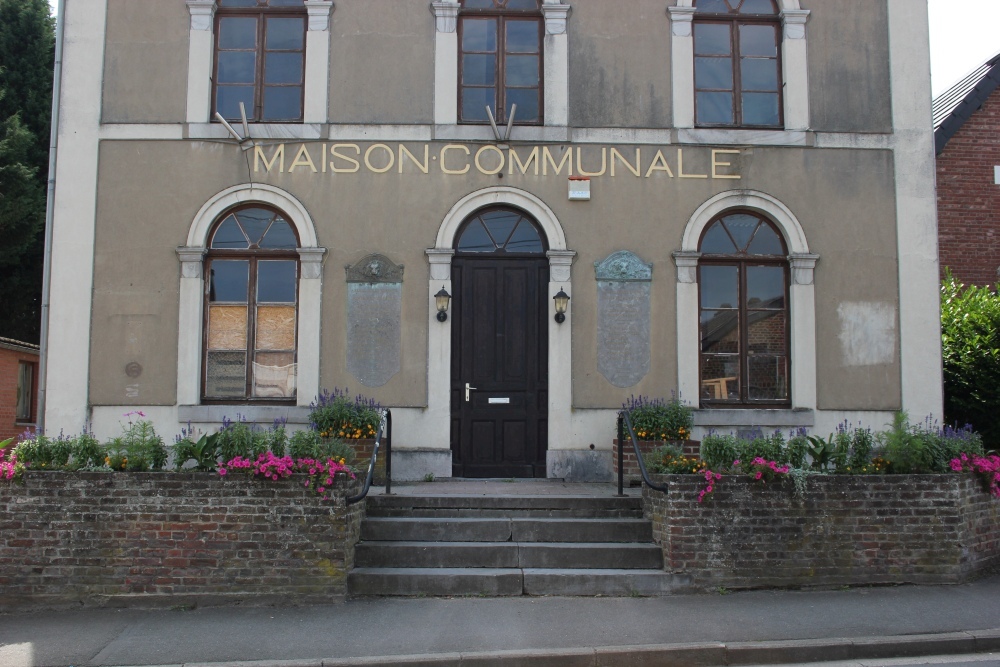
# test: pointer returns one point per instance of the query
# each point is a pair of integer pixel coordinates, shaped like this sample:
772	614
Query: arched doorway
499	358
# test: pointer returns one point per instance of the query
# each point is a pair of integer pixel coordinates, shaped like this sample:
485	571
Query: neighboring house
729	191
967	140
18	384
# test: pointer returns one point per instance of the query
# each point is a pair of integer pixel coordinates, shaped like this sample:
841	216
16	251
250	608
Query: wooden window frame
742	262
502	15
735	21
255	115
253	256
33	379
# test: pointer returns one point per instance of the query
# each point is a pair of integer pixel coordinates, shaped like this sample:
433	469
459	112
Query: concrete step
501	582
500	506
517	529
414	581
397	554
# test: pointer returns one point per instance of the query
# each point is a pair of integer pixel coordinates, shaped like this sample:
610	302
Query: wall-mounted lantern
442	299
562	303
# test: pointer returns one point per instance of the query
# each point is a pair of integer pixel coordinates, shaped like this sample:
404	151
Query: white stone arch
438	413
802	299
191	301
794	68
501	196
761	202
259	193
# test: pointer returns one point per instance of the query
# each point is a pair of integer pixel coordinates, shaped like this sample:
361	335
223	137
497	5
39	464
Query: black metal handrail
625	421
384	433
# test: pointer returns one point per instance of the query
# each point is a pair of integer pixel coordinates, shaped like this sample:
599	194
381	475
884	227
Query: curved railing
625	424
384	434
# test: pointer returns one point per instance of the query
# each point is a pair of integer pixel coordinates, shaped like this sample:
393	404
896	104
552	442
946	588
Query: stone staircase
506	545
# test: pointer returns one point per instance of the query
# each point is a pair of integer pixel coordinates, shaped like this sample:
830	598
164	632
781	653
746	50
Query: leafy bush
658	419
924	448
970	344
668	460
242	438
204	452
309	444
138	448
719	451
337	415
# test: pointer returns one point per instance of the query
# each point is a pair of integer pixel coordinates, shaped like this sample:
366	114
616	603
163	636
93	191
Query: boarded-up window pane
227	327
274	375
276	327
226	374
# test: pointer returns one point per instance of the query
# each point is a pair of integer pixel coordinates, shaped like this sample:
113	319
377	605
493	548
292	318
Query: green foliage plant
658	419
970	346
309	444
337	415
138	448
204	452
719	451
669	460
242	438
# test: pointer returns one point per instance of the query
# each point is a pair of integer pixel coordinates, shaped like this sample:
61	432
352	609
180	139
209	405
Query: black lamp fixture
442	299
562	303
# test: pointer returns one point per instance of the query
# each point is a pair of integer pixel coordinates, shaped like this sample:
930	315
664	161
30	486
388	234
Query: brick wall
844	530
968	199
167	539
631	466
9	360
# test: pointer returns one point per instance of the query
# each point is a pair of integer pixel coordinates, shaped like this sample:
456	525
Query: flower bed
154	538
835	530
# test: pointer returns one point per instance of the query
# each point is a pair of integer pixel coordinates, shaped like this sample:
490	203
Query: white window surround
794	64
556	66
201	48
192	290
434	428
802	300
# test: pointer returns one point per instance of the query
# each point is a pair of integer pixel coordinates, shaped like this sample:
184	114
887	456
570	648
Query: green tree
27	40
970	344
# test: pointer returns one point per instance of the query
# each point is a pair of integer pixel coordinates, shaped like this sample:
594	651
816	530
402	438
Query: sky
964	35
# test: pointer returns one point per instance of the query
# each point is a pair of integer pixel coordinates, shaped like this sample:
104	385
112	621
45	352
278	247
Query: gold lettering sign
490	160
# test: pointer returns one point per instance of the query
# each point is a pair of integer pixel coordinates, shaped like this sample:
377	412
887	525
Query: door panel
499	347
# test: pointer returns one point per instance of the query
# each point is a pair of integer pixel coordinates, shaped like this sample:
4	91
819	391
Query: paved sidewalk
689	629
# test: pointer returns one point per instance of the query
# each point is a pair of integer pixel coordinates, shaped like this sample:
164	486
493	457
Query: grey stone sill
262	414
729	418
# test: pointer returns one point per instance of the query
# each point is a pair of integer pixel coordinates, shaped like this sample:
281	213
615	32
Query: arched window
743	314
251	292
260	59
737	69
500	230
500	61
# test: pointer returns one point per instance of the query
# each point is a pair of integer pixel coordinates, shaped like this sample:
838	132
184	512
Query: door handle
468	392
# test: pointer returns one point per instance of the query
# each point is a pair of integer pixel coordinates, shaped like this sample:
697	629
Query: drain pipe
49	201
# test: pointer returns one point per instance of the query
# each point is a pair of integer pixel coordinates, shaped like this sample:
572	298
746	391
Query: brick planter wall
164	539
845	530
632	473
363	449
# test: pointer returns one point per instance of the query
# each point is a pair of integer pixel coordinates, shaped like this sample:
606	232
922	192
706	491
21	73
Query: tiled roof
11	343
954	106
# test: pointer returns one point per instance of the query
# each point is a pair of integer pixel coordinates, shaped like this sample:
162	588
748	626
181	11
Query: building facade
736	196
967	143
18	384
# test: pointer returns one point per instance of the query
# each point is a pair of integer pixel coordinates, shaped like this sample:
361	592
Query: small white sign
504	401
579	189
996	175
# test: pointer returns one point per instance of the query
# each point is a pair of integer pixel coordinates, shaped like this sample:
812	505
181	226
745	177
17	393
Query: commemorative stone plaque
374	312
623	318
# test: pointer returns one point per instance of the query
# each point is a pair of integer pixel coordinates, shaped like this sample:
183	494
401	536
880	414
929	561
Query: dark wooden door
500	349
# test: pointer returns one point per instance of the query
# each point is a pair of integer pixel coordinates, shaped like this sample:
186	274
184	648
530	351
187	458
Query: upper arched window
500	61
743	283
500	230
260	59
737	69
251	294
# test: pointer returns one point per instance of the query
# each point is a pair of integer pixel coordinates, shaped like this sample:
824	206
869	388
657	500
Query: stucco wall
849	83
619	64
382	62
145	66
